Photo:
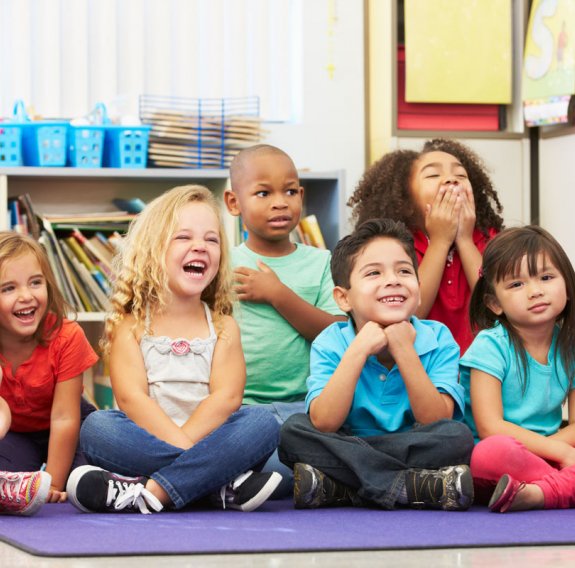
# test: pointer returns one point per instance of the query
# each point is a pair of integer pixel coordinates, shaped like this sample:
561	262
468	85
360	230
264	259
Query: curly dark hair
383	191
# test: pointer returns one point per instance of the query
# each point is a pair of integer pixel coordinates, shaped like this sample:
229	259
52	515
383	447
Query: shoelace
233	485
9	488
123	494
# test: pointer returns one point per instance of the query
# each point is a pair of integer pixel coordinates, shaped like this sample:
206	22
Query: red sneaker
23	493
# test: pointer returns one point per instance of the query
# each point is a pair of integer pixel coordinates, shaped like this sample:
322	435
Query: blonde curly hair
141	282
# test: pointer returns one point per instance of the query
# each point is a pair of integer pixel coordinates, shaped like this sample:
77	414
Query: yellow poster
549	61
458	51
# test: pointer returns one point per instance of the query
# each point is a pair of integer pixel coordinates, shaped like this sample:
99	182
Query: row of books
80	247
82	265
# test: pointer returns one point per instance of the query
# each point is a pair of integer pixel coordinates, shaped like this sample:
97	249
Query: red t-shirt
451	305
30	392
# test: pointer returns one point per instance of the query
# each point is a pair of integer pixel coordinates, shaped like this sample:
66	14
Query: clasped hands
451	216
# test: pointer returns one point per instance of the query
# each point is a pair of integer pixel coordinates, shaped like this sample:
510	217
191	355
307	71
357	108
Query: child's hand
442	216
256	285
371	339
466	214
399	335
56	496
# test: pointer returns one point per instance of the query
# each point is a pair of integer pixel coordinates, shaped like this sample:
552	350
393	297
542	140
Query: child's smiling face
383	285
23	296
193	255
430	172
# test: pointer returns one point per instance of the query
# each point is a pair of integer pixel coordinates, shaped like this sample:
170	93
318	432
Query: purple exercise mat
61	530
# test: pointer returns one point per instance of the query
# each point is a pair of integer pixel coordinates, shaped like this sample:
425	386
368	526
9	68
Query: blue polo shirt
380	403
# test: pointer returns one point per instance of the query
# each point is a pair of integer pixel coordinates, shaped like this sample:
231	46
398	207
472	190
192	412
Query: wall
331	131
507	161
557	188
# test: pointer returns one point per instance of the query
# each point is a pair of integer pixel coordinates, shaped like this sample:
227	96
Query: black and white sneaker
248	491
95	490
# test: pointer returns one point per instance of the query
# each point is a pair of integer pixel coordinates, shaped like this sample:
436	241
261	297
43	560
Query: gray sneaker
448	488
313	489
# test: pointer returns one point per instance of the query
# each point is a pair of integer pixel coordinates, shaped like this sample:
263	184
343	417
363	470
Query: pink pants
496	455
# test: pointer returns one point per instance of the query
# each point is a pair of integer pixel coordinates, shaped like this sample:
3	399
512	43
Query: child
445	197
43	357
177	373
519	370
285	289
382	391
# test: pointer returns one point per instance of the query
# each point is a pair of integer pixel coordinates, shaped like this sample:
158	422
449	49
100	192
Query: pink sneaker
23	493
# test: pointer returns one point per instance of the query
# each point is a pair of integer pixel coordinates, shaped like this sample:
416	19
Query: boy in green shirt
285	289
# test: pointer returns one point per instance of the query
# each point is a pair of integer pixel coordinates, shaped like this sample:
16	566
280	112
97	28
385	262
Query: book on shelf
310	232
96	218
33	224
97	299
99	258
60	267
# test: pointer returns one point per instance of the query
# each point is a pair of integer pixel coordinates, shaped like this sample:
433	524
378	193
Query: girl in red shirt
43	357
445	196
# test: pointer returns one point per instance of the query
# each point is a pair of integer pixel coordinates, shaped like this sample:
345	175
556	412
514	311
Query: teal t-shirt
277	356
538	407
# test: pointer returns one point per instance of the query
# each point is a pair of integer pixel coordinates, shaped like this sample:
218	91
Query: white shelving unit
73	190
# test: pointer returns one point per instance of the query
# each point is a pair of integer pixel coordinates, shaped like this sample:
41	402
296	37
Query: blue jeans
28	451
375	466
282	411
110	440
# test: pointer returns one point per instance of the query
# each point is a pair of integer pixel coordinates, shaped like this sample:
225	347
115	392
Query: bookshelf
66	191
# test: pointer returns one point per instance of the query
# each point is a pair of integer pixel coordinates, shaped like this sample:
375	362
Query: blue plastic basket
10	145
126	146
86	141
43	141
85	146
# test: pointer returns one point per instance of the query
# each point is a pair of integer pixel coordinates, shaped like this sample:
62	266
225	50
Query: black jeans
375	466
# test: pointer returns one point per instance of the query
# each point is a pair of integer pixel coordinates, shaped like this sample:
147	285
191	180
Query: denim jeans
282	411
375	466
28	451
112	441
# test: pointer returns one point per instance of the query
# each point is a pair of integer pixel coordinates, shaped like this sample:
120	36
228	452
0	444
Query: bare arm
5	418
487	407
227	381
567	434
264	286
130	385
471	258
64	432
427	403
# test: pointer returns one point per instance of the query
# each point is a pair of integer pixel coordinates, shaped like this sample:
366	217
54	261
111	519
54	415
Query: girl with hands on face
445	197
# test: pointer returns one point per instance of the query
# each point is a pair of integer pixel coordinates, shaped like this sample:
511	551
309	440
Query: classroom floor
526	557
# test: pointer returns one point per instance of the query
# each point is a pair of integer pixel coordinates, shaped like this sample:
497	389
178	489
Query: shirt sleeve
443	370
487	353
323	363
73	353
325	300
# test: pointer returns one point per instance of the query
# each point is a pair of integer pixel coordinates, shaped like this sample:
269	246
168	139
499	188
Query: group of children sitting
278	369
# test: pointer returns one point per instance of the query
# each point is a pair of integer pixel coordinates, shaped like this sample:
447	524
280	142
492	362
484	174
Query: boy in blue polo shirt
383	390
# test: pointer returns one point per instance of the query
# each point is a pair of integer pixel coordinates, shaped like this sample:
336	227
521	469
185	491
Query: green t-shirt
277	356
